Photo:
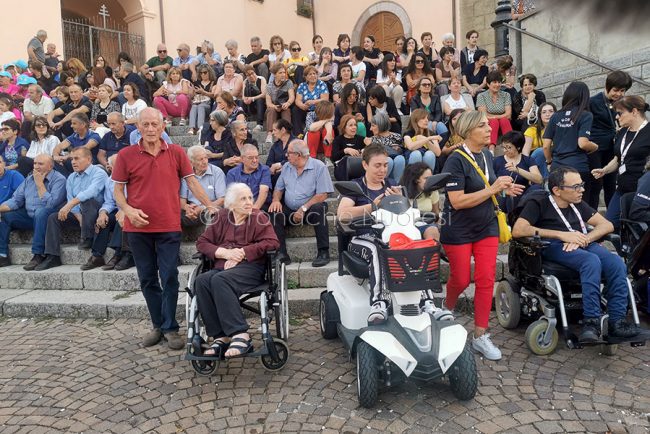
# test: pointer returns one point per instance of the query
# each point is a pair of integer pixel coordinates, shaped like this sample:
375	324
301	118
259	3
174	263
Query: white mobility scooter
410	343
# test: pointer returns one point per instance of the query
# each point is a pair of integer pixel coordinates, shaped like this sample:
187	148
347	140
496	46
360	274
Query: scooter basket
411	269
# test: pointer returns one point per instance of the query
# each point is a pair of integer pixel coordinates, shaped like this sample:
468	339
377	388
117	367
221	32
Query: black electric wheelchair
536	289
635	238
273	305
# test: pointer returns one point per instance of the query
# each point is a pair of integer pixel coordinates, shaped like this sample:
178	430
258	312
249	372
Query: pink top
12	89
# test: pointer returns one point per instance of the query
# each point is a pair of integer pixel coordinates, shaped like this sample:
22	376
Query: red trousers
485	259
315	143
502	125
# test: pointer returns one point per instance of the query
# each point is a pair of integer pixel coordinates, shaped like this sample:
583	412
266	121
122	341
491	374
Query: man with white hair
185	62
115	140
213	182
35	47
37	104
305	183
156	68
449	40
250	172
209	57
151	172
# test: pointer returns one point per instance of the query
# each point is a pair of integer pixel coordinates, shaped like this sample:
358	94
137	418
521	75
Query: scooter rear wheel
329	315
463	377
367	375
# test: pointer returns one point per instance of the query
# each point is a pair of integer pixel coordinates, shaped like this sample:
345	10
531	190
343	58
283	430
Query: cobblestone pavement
74	376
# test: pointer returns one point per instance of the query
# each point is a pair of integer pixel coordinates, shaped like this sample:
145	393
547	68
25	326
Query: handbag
504	230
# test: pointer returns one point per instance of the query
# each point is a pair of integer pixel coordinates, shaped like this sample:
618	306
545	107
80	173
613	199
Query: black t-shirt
541	213
341	142
253	57
372	194
468	72
565	133
371	70
473	224
69	106
635	158
640	208
432	57
603	129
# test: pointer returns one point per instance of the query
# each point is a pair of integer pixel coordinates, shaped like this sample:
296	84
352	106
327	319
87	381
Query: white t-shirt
130	111
453	104
356	69
273	57
382	80
45	146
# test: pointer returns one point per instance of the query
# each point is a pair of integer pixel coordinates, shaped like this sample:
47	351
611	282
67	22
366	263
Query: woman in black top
232	151
215	141
475	74
631	149
278	152
347	144
378	102
350	105
372	58
525	103
203	98
469	225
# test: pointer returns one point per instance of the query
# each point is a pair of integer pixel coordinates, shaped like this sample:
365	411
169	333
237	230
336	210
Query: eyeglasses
277	43
620	113
426	85
295	49
253	158
508	148
292	153
162	51
576	187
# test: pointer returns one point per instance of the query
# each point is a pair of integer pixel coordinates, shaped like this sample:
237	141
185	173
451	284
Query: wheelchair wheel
534	338
609	350
281	311
204	368
282	350
329	315
367	375
507	305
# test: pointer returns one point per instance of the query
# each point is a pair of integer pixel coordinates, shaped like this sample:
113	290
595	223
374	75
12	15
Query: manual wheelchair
273	307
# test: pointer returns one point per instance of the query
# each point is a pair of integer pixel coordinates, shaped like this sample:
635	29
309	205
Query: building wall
478	15
220	20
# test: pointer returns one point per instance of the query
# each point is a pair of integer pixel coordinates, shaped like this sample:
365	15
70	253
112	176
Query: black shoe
50	261
322	259
93	262
283	257
112	262
4	261
36	259
85	244
125	263
590	330
622	329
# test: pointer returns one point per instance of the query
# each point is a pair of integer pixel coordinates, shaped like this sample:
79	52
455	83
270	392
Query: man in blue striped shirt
42	194
85	193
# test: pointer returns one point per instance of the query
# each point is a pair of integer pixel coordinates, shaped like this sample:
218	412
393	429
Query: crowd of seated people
61	127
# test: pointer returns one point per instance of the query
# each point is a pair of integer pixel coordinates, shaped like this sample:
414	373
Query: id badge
621	169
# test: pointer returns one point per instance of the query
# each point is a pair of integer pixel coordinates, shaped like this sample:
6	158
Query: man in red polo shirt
152	171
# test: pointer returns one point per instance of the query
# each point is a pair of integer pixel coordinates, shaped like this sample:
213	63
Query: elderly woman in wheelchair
237	241
561	219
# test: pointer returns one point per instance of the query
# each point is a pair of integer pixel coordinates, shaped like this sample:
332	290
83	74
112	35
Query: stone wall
555	69
477	15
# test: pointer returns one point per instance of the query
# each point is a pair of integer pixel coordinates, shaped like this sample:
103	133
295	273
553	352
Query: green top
155	61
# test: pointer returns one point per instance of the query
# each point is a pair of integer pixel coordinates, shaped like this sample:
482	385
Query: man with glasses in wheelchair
562	218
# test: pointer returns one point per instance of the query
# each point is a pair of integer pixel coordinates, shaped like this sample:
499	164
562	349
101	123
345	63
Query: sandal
218	348
242	349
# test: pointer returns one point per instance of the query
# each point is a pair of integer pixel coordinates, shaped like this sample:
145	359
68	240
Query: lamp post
502	15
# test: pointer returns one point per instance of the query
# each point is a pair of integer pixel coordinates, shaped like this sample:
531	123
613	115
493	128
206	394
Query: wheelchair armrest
642	225
534	242
615	239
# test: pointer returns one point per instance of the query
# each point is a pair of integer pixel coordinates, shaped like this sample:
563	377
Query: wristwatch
303	208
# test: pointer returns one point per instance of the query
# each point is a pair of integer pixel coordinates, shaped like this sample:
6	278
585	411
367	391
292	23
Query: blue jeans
418	156
592	263
396	166
613	213
540	160
156	253
441	128
19	219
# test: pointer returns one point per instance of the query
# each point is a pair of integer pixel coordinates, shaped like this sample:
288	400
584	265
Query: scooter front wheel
463	377
367	375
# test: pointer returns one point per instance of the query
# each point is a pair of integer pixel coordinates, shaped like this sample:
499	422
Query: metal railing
85	41
573	52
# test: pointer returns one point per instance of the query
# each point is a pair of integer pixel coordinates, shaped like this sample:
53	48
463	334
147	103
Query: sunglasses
419	61
426	85
295	49
162	51
277	43
40	125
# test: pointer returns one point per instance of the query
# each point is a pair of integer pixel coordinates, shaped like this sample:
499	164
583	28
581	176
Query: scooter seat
355	265
560	271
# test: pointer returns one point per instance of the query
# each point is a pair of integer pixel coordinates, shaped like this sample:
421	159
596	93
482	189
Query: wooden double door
385	27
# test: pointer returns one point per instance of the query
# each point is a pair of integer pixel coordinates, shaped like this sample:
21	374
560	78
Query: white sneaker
182	122
439	314
429	307
378	313
484	345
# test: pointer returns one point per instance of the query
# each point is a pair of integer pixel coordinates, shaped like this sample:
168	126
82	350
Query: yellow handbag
504	230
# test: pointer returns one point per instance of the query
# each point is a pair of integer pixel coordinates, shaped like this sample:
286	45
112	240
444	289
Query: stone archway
392	10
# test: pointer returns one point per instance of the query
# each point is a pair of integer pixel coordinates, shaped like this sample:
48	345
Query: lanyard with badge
625	149
471	155
566	223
